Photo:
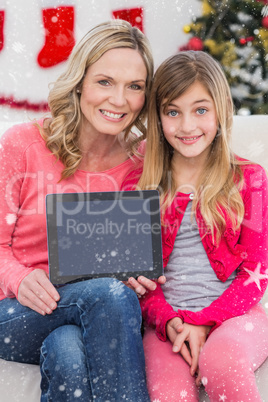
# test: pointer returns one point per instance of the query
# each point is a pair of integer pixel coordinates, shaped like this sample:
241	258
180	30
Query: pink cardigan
29	171
246	250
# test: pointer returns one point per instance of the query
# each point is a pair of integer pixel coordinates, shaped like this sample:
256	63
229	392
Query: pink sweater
29	171
245	251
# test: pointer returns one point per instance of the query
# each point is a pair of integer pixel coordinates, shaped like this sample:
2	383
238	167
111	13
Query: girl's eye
104	83
172	113
201	111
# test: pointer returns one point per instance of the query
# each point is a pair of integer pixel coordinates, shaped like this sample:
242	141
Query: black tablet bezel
52	201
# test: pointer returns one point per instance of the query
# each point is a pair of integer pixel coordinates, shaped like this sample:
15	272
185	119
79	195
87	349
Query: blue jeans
89	348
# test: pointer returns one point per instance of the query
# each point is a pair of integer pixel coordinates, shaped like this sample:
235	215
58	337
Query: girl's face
113	91
190	123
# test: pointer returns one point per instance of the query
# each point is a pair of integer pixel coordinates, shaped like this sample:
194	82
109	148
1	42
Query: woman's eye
136	87
104	83
201	111
172	113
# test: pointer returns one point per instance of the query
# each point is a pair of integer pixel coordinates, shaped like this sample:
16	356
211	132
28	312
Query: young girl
215	220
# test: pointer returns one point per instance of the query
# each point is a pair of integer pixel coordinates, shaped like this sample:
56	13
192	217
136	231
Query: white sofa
21	382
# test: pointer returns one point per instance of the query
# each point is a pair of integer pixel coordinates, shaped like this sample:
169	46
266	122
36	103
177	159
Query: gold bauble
206	8
187	29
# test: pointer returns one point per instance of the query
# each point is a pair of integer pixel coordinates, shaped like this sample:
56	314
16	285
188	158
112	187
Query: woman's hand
194	335
142	284
37	292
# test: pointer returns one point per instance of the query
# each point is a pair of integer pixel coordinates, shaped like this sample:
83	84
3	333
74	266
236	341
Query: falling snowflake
113	344
117	288
204	381
113	253
249	327
11	219
62	388
132	322
77	393
156	400
11	310
183	393
65	243
244	255
98	257
255	276
222	397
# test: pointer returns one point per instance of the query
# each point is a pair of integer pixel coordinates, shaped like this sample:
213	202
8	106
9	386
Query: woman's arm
11	161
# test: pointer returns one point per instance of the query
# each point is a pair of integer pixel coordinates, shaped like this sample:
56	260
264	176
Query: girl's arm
250	283
156	311
249	286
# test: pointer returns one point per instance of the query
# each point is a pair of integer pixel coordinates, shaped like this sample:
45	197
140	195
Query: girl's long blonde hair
222	178
61	134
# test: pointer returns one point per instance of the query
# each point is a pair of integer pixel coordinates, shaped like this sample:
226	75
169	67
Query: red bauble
264	22
242	41
195	44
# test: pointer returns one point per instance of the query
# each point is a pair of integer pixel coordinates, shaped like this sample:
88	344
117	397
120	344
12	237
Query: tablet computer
114	234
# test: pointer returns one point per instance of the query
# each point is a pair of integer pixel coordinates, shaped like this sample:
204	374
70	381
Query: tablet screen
104	234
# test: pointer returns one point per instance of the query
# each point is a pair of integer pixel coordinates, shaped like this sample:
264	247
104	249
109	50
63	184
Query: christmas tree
235	32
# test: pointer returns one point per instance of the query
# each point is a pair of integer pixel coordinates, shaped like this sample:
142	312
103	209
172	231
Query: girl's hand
195	336
37	292
175	327
142	284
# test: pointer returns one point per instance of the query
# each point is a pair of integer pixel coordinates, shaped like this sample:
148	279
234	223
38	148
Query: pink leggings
227	362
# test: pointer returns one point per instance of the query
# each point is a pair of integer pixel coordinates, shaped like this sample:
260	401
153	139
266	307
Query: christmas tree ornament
2	20
195	44
187	28
206	7
59	36
244	41
133	15
264	22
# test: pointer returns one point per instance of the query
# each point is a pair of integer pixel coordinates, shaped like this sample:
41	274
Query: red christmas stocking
133	15
2	19
59	36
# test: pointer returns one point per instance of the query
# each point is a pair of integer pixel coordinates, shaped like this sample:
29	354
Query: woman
88	339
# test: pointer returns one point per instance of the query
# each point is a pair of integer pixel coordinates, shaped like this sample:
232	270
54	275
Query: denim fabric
89	348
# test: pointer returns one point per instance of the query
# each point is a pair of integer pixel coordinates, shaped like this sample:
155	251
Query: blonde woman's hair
61	134
222	178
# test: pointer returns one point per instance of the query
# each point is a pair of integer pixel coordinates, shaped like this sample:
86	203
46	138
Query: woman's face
113	91
190	123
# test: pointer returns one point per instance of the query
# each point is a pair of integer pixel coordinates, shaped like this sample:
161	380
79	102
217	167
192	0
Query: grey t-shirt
191	282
